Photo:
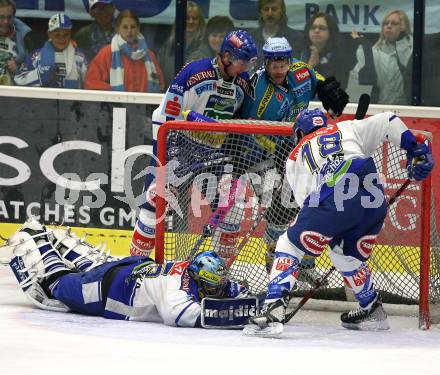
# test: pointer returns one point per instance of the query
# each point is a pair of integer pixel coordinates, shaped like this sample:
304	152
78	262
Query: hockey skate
269	322
77	254
373	318
33	260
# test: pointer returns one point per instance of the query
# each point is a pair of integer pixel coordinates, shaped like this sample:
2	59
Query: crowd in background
113	51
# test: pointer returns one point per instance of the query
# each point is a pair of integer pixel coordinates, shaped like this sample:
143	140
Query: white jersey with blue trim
321	158
200	87
152	292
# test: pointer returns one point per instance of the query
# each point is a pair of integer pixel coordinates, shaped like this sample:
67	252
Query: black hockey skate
371	319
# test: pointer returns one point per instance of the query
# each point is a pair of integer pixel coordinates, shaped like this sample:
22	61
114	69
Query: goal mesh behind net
200	178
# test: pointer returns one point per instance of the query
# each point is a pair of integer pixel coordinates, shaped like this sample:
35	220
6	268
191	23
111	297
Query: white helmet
277	48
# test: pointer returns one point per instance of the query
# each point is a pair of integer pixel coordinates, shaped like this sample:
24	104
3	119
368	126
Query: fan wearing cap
93	37
59	63
127	64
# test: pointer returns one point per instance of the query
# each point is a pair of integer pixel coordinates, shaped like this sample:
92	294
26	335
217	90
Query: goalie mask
209	272
307	121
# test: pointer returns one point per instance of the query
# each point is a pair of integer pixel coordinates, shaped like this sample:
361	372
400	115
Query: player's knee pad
144	234
312	243
356	274
365	245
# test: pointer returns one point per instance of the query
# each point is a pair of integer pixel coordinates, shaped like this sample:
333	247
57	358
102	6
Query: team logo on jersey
297	65
173	107
210	86
280	97
265	101
314	242
302	75
282	264
179	267
225	91
177	88
200	76
365	245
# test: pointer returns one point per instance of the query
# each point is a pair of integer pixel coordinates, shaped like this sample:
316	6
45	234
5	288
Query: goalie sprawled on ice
60	272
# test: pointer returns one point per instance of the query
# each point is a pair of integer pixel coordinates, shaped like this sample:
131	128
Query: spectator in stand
59	63
99	33
12	33
215	32
273	23
126	64
195	28
387	65
431	70
323	51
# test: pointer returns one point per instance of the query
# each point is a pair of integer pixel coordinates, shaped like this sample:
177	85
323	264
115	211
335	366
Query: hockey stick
320	282
362	108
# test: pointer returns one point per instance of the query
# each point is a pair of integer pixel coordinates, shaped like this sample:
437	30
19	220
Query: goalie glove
333	97
419	159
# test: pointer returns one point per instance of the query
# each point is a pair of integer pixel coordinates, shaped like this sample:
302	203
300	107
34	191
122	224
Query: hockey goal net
405	261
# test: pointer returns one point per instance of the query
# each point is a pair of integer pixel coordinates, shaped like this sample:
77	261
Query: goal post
404	268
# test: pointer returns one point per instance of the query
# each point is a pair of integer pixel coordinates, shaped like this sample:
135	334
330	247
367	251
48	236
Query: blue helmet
240	45
210	273
277	48
309	120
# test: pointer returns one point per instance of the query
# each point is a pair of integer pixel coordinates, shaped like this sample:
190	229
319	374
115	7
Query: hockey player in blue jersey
214	87
336	184
60	272
278	92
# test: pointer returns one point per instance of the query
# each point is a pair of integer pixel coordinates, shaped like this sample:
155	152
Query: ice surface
34	342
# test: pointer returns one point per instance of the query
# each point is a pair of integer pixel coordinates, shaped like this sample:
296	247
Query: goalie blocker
228	313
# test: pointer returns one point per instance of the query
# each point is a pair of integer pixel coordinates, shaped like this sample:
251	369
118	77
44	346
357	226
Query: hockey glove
420	161
333	97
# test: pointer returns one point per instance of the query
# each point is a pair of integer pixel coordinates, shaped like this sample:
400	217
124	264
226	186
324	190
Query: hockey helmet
240	45
210	273
277	48
309	120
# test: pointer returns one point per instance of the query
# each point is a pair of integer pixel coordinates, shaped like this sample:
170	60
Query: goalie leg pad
228	313
144	234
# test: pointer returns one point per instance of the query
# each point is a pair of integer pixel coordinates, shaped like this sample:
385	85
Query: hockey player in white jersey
60	272
213	87
337	186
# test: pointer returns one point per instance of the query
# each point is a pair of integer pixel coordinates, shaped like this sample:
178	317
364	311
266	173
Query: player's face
192	21
277	70
60	38
215	40
319	33
103	14
128	29
392	27
271	13
6	19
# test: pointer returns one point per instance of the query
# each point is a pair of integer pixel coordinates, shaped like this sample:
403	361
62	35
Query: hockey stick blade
362	108
273	330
